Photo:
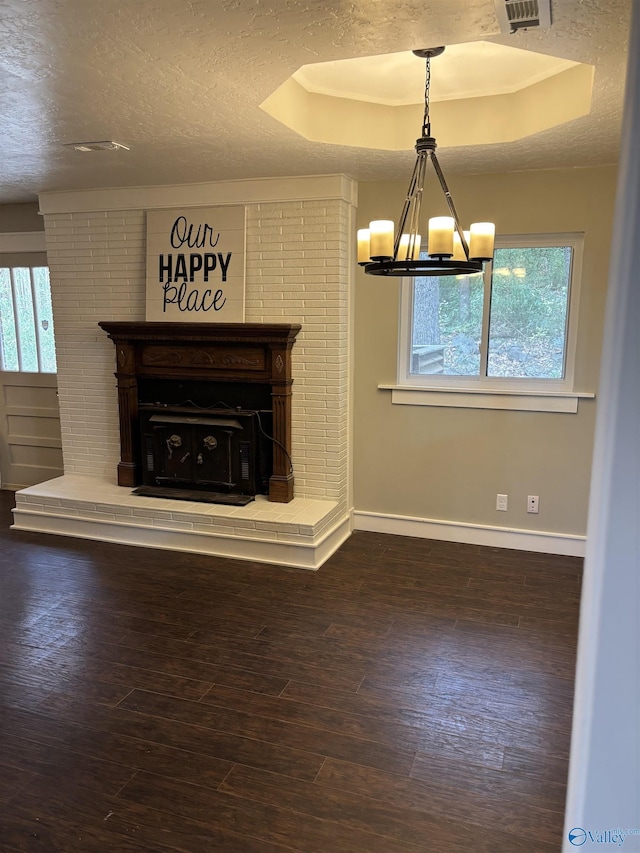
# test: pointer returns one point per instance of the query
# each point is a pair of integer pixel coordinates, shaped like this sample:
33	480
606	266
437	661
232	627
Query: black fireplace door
215	454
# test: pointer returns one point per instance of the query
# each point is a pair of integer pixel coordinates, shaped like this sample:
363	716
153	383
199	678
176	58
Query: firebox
214	451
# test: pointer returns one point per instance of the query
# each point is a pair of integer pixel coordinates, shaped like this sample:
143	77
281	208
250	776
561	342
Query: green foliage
530	302
529	312
461	306
26	320
8	338
527	320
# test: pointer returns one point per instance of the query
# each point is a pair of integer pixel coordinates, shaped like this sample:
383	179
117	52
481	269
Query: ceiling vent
106	145
516	15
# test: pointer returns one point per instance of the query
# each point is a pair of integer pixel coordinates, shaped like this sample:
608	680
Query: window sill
476	398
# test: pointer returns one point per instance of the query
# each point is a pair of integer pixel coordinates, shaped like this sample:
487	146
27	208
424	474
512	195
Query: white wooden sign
195	265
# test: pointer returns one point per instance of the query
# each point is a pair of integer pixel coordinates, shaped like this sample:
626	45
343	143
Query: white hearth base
303	533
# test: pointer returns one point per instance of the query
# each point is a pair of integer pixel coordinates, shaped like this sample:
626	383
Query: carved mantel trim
224	352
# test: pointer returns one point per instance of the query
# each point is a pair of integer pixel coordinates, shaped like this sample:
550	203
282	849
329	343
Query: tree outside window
26	320
511	323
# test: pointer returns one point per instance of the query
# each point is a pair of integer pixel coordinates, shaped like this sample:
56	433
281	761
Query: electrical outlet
532	503
502	502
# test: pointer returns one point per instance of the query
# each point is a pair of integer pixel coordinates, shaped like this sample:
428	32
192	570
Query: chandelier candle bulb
458	251
381	238
481	239
364	246
441	236
405	252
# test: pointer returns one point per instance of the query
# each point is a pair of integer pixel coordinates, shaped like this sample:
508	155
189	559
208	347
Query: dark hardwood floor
412	696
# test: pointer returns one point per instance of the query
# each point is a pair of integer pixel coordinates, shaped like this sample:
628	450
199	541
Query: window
510	331
26	319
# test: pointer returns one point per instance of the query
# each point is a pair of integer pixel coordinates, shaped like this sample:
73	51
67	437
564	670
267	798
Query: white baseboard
473	534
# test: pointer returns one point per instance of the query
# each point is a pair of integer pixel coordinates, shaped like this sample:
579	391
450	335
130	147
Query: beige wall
446	463
20	217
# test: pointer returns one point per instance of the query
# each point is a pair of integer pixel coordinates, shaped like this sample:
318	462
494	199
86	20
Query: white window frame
522	393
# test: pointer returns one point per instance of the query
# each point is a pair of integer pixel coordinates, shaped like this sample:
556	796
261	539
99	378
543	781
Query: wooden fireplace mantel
222	352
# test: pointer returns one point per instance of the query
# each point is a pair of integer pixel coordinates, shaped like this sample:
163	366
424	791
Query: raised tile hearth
302	533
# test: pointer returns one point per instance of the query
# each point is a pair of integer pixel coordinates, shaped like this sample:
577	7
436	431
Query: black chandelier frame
433	265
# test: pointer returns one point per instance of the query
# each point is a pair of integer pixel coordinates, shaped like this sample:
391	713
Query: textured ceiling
181	81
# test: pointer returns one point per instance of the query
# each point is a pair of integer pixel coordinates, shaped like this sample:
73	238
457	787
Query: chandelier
450	250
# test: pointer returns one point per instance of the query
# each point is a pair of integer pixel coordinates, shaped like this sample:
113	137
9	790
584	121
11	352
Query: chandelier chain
426	122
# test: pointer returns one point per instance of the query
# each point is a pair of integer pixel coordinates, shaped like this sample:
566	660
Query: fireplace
205	409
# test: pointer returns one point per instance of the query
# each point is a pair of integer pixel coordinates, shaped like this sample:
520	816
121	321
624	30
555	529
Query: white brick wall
297	271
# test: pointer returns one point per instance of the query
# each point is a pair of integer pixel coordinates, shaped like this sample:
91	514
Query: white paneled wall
298	259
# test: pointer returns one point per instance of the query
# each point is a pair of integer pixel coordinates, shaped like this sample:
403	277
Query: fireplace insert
216	451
